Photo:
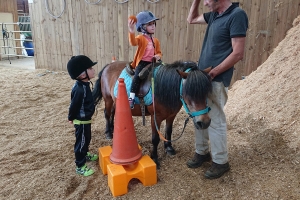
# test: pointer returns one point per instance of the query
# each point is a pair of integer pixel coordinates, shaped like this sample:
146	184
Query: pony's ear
207	70
182	74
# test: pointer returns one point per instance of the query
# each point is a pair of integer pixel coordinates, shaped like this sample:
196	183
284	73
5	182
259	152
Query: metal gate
16	40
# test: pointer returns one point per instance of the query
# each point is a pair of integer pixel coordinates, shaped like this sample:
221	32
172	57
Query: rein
191	114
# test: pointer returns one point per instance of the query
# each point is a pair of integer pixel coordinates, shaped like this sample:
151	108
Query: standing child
148	47
81	110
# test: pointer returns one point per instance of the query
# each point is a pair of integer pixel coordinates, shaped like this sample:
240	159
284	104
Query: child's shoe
91	157
131	103
84	170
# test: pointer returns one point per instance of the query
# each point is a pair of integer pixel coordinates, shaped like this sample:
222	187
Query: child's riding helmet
143	18
78	64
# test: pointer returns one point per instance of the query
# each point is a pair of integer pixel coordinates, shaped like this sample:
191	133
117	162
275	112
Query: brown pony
176	84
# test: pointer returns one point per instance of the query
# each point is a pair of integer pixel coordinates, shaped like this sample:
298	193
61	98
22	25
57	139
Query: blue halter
191	114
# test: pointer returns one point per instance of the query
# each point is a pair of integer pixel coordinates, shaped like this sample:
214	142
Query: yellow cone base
120	175
104	153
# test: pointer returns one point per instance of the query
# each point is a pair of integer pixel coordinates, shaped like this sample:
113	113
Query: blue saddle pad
128	81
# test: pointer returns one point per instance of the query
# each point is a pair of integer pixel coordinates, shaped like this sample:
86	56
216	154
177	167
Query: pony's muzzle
201	124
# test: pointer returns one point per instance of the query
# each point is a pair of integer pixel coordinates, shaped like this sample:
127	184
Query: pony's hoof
108	136
170	150
156	162
157	166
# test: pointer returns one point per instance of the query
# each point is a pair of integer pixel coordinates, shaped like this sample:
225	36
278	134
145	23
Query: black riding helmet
79	64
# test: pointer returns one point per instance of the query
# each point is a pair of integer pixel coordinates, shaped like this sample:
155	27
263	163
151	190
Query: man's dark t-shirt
217	41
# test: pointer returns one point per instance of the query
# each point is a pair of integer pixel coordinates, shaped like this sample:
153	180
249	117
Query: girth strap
142	105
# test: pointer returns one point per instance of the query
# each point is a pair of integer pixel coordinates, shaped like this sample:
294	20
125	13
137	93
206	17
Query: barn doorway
16	39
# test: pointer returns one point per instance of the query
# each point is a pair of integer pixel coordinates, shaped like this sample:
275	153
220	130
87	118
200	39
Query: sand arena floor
263	112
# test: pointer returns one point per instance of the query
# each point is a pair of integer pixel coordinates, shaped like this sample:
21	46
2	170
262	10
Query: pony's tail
97	94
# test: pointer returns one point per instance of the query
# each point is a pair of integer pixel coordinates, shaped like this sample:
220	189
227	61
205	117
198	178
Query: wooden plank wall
10	6
22	6
100	31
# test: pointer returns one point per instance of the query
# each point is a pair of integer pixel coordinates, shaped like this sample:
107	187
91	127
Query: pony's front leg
109	117
168	134
155	141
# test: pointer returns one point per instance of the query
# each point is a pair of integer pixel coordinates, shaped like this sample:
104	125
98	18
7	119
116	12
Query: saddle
145	76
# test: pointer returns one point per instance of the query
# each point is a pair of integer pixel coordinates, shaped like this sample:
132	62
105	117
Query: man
222	48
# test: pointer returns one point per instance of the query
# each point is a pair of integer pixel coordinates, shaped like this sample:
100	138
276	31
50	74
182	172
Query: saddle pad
128	81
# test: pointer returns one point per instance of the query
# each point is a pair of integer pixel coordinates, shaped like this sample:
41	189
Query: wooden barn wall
22	6
10	6
100	30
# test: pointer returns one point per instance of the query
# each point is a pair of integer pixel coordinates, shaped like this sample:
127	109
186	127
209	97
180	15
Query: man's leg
218	131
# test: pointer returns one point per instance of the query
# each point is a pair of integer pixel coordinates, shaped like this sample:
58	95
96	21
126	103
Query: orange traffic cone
125	148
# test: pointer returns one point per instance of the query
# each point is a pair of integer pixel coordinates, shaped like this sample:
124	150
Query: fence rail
16	47
17	23
21	55
16	39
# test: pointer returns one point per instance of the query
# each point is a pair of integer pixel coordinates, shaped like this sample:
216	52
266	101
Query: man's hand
212	73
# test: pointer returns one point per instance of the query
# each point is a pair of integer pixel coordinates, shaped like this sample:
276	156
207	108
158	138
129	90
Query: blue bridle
191	114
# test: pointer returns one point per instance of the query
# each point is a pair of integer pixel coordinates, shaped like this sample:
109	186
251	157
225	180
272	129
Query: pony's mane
167	84
197	85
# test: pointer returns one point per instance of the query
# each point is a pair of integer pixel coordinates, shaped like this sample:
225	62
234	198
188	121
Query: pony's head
195	86
194	90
